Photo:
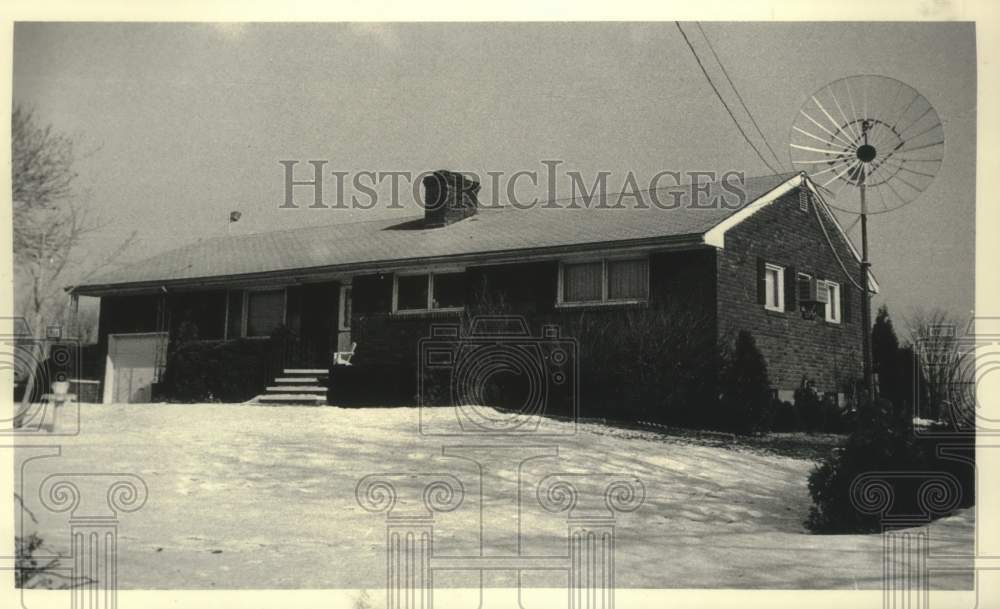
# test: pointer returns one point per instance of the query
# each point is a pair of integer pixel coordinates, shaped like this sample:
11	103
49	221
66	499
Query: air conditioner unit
812	291
822	293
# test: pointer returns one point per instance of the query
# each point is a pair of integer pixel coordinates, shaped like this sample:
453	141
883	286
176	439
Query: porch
251	338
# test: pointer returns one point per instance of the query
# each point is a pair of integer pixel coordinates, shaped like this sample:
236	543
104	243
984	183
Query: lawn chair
343	358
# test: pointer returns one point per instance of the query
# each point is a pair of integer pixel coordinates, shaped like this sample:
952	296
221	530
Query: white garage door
134	363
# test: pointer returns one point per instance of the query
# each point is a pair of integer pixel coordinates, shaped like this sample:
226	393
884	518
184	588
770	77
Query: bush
786	417
819	414
203	371
654	365
809	407
746	404
883	441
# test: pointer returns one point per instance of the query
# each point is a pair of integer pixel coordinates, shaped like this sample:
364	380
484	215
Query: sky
177	125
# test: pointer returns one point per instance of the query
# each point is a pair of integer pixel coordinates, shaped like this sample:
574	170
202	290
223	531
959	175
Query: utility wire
722	99
829	242
737	91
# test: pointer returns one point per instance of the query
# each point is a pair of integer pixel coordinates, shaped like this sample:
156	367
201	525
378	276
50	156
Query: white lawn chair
343	358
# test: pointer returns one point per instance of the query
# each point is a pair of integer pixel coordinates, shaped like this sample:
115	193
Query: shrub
883	441
645	364
233	371
835	418
31	570
809	407
746	403
786	417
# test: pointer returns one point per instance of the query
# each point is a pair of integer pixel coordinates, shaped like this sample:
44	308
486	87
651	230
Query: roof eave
335	271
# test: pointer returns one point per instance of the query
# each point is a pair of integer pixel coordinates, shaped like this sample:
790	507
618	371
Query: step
297	379
291	398
297	388
312	371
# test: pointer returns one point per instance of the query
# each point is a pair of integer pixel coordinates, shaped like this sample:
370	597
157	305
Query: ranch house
777	264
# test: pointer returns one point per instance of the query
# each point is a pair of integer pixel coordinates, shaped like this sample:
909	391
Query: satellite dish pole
865	154
868	133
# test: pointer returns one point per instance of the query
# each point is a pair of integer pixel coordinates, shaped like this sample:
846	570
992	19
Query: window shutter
790	289
761	289
845	302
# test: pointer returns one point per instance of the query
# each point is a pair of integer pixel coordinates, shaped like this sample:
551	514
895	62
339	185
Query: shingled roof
561	226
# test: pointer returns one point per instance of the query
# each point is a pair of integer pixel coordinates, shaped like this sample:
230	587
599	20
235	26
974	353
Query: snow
250	496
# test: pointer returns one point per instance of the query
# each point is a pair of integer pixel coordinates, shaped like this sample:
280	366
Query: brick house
764	255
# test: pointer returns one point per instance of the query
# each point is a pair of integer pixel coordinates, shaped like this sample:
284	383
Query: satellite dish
864	133
868	133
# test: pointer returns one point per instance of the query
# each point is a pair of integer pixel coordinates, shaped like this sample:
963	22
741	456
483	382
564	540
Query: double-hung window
605	281
774	287
832	313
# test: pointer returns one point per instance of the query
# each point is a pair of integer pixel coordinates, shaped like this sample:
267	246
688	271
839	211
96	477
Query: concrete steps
292	398
297	386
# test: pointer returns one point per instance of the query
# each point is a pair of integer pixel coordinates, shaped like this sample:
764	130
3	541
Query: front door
344	317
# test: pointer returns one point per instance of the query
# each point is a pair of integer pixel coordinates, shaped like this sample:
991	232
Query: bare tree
944	359
49	224
81	323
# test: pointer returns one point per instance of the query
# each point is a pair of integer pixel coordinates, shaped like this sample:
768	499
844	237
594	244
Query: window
774	287
198	315
344	323
627	279
411	292
265	311
833	301
449	290
582	282
429	291
604	281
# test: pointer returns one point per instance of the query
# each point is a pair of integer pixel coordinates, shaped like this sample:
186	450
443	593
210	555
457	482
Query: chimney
448	197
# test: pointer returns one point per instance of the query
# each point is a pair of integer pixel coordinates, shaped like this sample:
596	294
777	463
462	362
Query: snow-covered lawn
264	497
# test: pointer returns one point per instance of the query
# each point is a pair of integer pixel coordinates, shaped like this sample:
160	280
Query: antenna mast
873	134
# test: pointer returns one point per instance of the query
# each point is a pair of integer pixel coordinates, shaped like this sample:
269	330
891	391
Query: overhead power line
722	99
737	91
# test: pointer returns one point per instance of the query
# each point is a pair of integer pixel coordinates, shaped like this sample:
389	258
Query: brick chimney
448	198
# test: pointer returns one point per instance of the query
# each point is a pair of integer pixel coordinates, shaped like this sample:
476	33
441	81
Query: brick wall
682	281
782	234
